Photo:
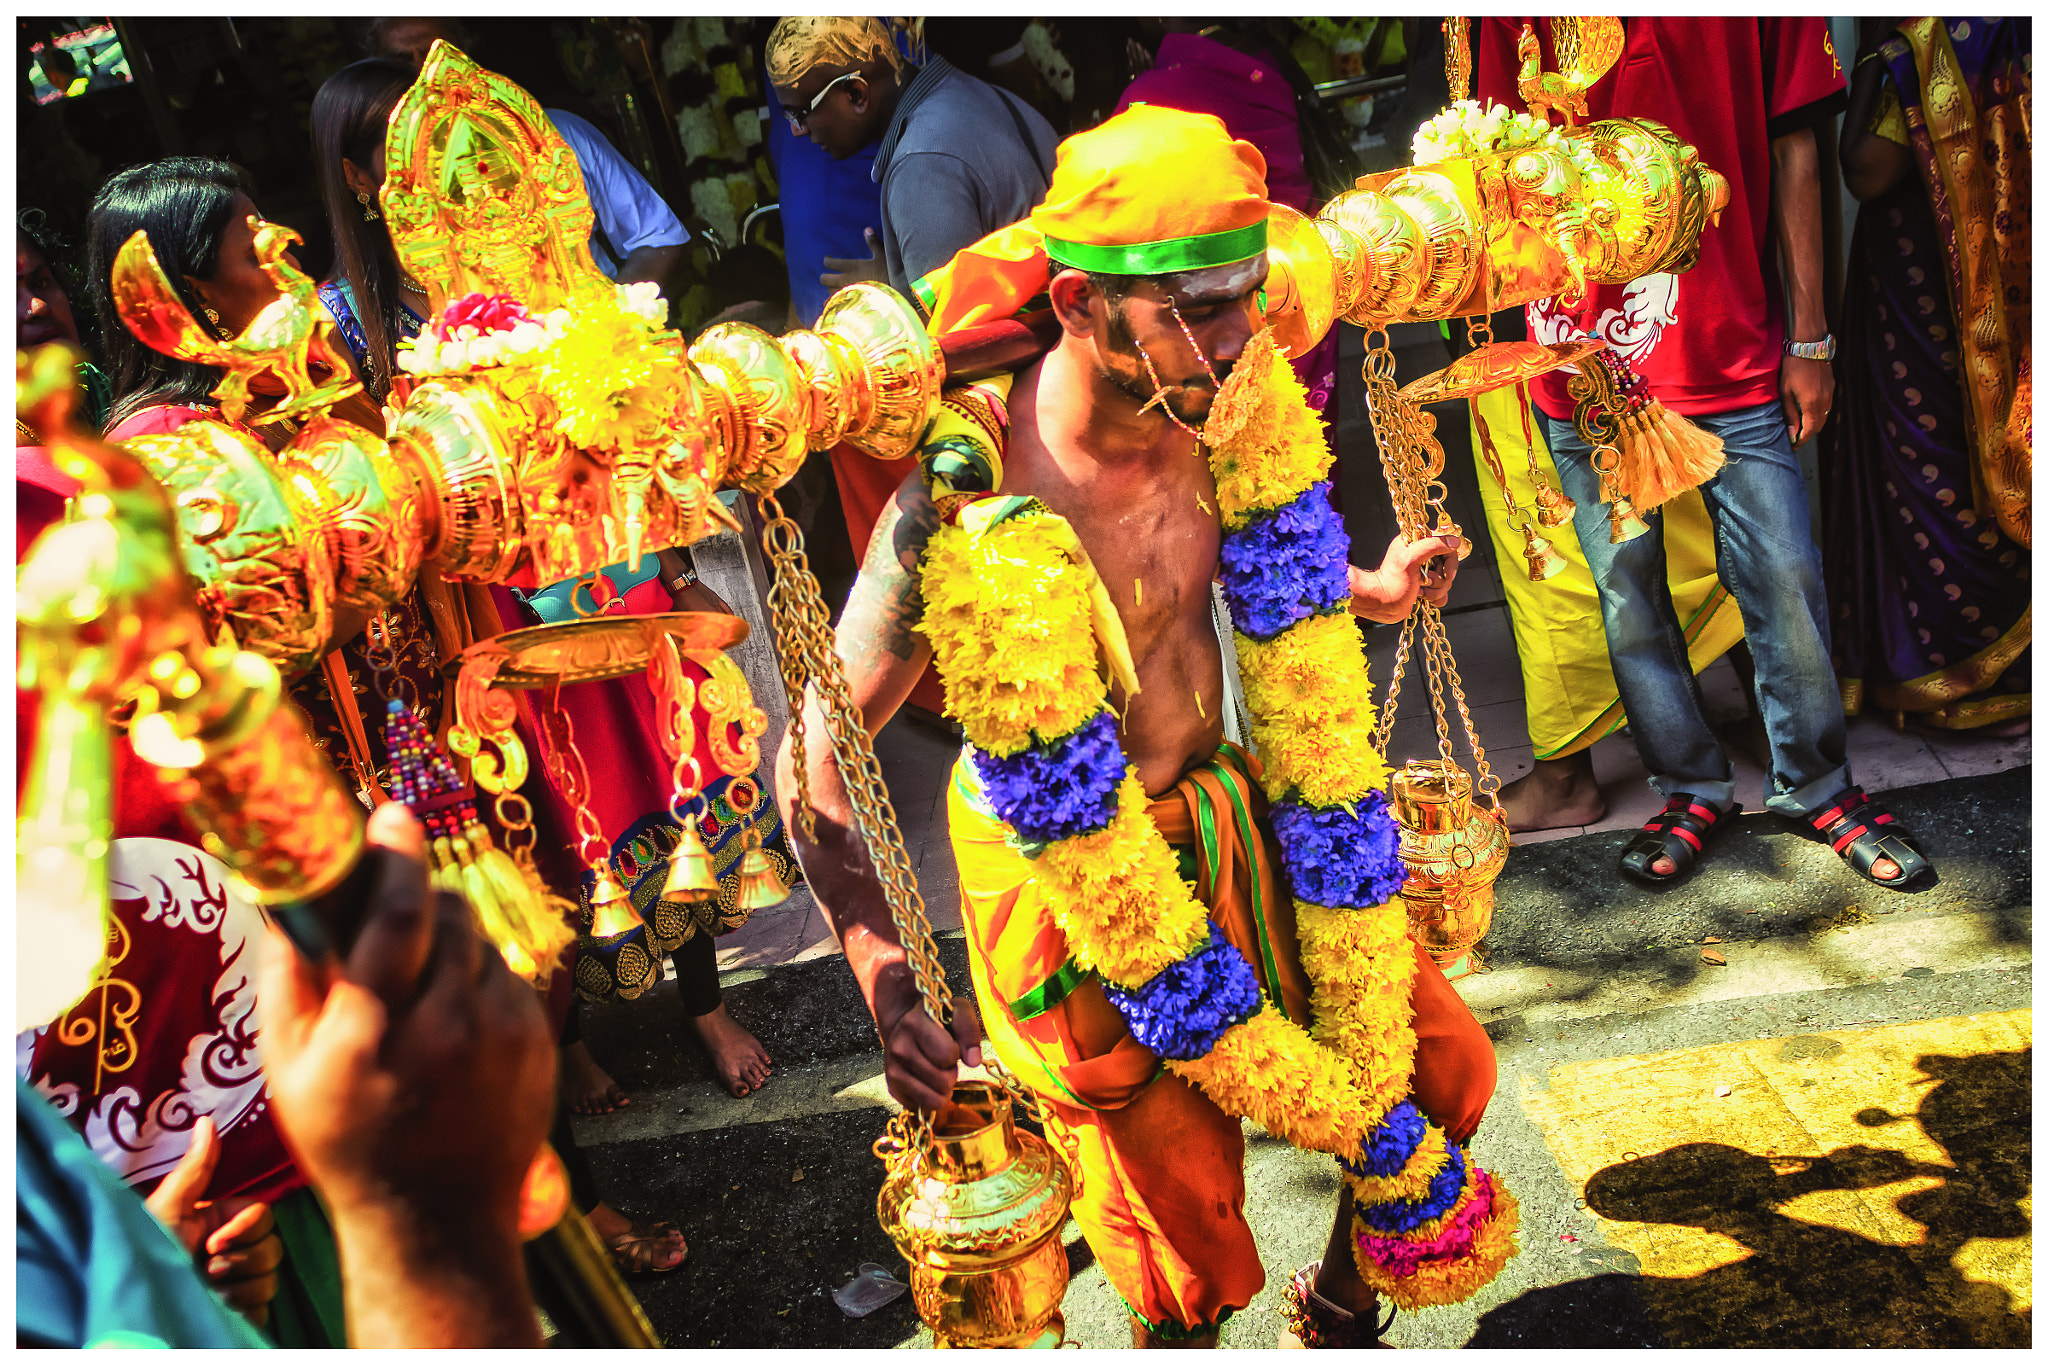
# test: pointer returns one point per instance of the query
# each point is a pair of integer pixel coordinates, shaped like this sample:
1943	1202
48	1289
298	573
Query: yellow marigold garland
1010	619
1126	913
1008	611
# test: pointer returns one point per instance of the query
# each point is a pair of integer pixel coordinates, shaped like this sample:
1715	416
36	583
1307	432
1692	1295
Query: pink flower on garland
1402	1257
487	313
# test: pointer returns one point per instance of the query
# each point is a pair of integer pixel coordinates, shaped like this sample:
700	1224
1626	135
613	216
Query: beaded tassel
512	911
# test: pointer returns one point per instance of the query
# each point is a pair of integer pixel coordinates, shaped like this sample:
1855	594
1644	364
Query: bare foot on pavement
1558	793
737	1055
591	1090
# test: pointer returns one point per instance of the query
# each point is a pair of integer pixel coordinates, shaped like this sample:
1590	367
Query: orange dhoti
1162	1198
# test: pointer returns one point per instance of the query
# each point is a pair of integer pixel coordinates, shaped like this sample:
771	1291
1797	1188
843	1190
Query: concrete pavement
1863	1180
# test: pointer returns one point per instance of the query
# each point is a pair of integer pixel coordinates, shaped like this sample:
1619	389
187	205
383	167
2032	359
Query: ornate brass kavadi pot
979	1219
1454	850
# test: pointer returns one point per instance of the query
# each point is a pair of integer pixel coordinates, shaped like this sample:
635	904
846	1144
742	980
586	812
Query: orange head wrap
1152	191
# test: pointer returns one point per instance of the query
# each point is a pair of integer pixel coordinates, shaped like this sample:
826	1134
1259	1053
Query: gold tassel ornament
1658	453
512	908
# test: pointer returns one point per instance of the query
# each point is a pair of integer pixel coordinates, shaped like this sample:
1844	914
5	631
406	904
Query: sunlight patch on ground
1839	1171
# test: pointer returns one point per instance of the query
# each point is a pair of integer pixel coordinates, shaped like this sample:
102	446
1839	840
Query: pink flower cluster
1403	1258
484	313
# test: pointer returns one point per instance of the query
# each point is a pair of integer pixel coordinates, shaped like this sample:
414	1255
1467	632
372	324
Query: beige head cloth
803	42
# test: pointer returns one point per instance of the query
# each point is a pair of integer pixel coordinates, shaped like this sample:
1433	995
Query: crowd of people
338	1150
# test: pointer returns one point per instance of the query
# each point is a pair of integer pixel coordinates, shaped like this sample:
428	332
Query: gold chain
806	655
1413	459
1383	731
804	649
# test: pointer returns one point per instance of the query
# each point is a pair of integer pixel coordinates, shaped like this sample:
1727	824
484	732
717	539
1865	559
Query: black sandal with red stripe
1679	832
1862	831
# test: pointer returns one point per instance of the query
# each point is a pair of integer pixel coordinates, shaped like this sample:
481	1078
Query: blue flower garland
1057	789
1287	565
1341	857
1386	1149
1182	1011
1405	1215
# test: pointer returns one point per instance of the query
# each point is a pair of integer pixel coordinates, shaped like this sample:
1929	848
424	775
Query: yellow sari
1566	678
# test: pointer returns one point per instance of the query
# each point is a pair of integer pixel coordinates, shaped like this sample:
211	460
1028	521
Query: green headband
1162	258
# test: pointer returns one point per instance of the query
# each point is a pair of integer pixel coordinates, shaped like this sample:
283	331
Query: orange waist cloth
1162	1199
1085	1055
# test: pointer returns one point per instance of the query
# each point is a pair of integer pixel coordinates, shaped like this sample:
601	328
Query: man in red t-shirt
1716	345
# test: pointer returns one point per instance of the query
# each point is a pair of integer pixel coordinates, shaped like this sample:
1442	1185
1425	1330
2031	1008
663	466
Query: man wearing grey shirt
958	158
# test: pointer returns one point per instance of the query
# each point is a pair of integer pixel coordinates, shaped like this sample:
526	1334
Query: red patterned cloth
1706	341
168	1032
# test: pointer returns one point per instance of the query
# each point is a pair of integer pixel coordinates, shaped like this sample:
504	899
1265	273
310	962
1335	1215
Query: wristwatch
686	579
1824	349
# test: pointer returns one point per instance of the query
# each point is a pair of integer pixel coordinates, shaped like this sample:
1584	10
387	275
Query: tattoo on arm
887	603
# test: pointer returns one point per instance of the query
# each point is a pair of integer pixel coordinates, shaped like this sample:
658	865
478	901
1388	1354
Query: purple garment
1917	580
1256	105
1249	94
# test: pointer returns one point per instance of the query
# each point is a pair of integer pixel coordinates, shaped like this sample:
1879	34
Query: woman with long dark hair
180	1077
196	211
374	302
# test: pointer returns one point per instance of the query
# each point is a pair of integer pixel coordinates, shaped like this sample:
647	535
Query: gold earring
369	214
214	318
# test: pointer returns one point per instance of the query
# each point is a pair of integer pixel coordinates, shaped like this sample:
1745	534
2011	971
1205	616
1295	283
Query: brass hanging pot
979	1217
1454	850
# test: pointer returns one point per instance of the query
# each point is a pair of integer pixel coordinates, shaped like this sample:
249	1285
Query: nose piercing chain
1159	390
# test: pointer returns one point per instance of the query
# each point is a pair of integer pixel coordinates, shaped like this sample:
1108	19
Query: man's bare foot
638	1248
591	1090
1557	793
737	1055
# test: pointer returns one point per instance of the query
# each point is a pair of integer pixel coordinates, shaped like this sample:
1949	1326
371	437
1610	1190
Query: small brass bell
611	909
1446	527
691	873
1553	507
760	885
1622	522
1544	560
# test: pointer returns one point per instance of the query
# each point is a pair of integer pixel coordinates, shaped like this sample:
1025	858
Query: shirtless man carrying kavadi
1151	246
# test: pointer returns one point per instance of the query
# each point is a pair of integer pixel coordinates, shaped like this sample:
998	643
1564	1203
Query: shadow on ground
1563	903
1804	1284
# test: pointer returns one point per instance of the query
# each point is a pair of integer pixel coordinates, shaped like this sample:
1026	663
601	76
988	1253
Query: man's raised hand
414	1082
1387	594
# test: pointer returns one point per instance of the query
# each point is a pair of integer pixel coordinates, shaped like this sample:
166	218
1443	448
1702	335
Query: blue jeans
1764	551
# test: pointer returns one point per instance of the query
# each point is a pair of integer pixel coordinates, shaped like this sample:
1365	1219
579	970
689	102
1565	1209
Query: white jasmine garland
1465	129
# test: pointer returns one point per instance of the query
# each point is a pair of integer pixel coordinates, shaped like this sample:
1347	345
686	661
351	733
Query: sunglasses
798	121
